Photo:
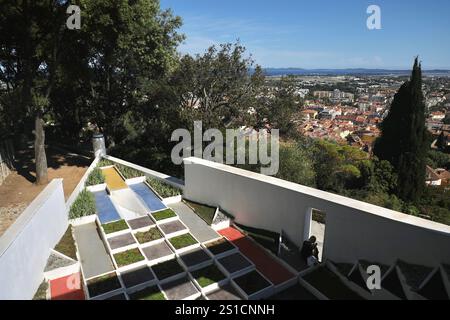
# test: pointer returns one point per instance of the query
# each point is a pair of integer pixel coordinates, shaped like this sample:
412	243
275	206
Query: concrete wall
26	245
354	229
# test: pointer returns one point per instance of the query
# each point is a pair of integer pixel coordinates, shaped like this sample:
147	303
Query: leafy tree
30	51
216	87
403	140
296	164
277	105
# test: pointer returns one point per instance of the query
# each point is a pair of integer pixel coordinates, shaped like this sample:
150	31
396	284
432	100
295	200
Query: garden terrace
149	293
113	227
148	236
252	283
157	251
163	214
132	278
140	223
102	285
120	241
183	241
128	257
208	276
220	246
167	269
195	257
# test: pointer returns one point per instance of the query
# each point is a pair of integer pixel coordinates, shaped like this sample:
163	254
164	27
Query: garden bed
164	215
220	248
159	252
150	293
136	277
140	223
168	270
235	264
66	245
205	212
148	236
209	278
252	283
330	285
95	177
128	257
164	190
84	205
121	241
173	228
102	285
115	226
182	242
196	258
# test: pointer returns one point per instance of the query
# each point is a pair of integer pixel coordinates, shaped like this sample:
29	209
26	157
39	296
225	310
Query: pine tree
403	140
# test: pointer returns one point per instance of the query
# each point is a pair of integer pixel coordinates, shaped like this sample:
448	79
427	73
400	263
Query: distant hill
358	71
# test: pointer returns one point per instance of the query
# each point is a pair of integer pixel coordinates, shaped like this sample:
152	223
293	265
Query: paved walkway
94	258
264	262
197	226
67	288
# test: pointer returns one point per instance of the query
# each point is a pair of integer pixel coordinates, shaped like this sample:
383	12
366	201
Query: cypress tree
403	140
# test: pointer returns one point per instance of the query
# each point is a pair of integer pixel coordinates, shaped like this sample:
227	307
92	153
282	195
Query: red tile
67	288
264	262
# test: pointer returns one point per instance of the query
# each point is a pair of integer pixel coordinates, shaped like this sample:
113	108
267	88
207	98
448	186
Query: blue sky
321	33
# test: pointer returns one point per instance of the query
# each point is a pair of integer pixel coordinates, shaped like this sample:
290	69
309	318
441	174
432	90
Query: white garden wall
354	229
25	246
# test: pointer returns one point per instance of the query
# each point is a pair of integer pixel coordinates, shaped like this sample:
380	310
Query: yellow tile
113	179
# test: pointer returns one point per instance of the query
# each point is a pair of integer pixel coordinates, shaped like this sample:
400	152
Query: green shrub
128	257
163	189
128	172
105	163
147	236
84	205
114	226
182	241
164	214
96	177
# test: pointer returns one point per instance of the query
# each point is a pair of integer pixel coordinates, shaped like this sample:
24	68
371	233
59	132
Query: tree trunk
39	151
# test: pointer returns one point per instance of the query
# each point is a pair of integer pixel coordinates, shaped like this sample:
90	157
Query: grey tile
179	289
157	251
226	292
141	222
121	241
171	227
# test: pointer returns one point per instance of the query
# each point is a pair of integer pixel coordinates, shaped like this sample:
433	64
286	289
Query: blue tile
105	209
148	196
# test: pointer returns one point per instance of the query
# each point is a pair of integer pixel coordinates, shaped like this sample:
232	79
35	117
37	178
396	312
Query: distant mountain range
357	71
